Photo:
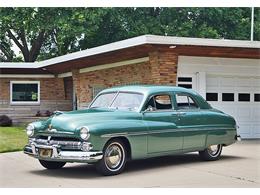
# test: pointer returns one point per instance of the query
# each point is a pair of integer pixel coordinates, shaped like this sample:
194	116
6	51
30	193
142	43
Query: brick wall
52	97
160	69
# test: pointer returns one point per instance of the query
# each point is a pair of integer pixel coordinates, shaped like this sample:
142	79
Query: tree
43	33
34	30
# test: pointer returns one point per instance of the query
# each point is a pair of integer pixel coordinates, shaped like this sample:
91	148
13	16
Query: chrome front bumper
64	156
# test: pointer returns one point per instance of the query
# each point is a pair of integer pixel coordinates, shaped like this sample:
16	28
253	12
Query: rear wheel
211	153
114	158
52	164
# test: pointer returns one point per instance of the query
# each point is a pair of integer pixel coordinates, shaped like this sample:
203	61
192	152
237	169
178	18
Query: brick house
225	72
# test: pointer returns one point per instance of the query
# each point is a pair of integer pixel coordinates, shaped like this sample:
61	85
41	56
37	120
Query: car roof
156	89
149	89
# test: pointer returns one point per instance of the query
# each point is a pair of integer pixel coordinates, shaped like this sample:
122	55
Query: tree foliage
43	33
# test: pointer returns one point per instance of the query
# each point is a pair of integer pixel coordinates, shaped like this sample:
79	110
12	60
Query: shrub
38	114
5	121
48	113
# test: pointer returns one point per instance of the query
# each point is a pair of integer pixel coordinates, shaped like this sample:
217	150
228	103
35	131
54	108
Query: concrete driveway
238	167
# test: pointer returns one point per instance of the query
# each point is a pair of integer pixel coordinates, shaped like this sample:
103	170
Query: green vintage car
128	123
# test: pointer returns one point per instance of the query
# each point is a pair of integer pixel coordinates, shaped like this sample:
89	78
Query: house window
184	79
185	82
228	97
187	86
212	96
25	92
244	97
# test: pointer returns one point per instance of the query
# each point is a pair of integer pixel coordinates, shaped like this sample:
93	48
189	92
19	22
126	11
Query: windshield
120	101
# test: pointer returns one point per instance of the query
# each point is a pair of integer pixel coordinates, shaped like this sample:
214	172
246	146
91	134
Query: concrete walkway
238	167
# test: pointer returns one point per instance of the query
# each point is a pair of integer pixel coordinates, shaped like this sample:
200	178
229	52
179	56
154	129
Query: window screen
25	92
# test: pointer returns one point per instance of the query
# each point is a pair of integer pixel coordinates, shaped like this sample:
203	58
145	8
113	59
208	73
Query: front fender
135	131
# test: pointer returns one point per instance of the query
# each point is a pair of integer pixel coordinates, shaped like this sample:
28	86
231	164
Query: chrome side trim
163	131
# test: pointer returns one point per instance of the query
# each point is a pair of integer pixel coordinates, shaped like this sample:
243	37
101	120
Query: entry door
163	135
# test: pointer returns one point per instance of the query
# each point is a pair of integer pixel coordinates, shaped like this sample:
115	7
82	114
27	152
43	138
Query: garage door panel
244	130
256	83
243	107
243	82
243	113
256	113
212	81
227	82
256	131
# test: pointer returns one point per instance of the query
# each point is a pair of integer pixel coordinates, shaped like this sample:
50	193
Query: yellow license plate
46	153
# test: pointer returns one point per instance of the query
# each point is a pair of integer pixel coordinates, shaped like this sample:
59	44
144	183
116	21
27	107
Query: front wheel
52	164
211	153
114	158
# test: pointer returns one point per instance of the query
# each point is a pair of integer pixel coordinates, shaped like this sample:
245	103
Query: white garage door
238	96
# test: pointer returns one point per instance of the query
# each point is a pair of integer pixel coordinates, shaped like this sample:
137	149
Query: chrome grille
63	144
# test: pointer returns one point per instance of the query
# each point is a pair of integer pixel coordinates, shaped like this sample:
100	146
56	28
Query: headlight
84	133
30	130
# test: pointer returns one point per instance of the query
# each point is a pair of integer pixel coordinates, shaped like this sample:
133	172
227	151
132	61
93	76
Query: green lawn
12	139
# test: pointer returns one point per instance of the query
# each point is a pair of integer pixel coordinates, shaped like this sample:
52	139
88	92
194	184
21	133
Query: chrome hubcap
213	150
113	156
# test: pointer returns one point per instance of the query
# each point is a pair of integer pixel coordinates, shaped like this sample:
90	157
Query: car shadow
84	171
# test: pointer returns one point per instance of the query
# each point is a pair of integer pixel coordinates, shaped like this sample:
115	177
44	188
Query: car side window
160	102
185	102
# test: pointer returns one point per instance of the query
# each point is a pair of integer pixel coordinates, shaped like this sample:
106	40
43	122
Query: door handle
179	114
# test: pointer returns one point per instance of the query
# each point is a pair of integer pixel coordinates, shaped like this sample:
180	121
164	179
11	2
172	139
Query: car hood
71	121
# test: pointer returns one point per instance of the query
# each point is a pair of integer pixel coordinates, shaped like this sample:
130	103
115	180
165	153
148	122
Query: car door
160	117
190	121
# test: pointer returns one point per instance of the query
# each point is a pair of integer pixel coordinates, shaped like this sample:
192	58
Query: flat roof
136	41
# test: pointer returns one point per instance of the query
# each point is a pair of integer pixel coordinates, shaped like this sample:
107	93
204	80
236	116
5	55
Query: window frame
25	102
116	94
159	110
189	96
180	83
